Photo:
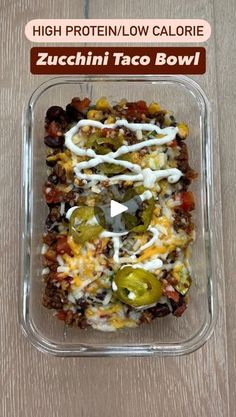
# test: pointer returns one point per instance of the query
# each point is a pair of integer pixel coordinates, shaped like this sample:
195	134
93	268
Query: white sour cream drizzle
148	266
150	242
116	247
70	211
169	132
147	176
146	195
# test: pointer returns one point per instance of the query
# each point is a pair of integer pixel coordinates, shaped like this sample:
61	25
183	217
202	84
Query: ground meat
130	136
182	220
144	151
70	318
60	173
69	197
183	151
50	264
178	307
183	164
53	297
184	183
159	310
54	215
146	317
50	238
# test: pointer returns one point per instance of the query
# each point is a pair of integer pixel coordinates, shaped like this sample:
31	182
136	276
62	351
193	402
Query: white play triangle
117	208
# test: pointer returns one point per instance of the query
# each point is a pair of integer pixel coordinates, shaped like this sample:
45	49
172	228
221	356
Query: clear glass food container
164	336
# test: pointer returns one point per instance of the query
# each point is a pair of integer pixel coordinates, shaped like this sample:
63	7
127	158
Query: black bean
160	310
53	179
100	296
49	222
175	304
50	164
56	113
83	323
72	114
57	142
82	304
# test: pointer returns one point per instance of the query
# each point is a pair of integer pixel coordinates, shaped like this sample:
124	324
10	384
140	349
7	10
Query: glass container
164	336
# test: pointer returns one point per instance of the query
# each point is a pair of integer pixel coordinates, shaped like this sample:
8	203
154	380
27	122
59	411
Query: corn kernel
122	102
95	114
102	104
183	130
85	129
110	120
154	108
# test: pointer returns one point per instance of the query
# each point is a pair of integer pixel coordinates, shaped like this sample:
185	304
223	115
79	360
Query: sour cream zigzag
169	132
146	176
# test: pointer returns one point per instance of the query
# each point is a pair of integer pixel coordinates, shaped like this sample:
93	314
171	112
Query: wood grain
226	82
35	385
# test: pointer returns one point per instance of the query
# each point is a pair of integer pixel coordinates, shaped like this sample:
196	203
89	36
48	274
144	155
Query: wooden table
35	385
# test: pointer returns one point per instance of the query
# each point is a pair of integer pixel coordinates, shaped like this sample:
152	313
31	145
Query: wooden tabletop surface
33	384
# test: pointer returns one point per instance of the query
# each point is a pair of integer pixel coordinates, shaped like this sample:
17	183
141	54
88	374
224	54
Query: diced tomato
105	132
80	105
61	315
53	130
173	144
142	106
179	311
62	246
169	292
52	195
139	107
187	201
50	255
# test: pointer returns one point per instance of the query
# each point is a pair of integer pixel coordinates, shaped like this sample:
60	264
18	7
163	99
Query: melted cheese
148	253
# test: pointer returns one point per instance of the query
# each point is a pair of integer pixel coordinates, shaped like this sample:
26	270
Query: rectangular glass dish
163	336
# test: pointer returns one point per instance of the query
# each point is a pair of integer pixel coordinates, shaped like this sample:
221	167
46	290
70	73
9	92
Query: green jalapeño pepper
103	144
140	223
145	216
136	287
84	232
79	229
110	169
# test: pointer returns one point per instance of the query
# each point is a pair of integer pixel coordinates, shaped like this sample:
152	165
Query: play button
117	208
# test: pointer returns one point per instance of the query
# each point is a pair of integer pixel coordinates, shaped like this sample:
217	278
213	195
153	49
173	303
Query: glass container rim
160	349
